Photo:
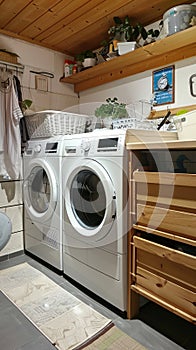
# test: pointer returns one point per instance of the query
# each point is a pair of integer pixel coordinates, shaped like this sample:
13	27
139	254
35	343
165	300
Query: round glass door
90	200
40	192
39	189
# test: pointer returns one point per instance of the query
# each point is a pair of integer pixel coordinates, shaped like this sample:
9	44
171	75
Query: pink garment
10	119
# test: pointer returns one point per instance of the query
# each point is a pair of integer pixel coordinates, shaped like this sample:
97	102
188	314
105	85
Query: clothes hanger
5	78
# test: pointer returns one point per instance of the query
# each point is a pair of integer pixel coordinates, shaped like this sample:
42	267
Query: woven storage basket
52	123
7	57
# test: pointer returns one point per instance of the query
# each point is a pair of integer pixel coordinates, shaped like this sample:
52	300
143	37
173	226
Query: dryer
95	207
42	190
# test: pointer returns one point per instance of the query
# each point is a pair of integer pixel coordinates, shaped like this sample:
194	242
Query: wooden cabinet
168	50
162	238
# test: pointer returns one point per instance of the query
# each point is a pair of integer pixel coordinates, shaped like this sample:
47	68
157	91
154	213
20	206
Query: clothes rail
19	68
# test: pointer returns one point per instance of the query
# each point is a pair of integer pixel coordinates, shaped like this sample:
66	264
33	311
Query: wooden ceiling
71	26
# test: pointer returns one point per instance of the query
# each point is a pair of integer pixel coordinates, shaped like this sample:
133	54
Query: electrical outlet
41	83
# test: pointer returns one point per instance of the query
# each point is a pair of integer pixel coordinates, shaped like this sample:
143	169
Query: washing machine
95	207
42	191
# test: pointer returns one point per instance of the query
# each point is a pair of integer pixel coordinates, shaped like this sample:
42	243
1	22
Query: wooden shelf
174	48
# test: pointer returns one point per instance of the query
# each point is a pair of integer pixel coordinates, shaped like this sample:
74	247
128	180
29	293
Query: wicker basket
52	123
7	57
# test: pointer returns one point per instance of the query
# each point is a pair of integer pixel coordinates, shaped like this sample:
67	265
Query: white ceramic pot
126	46
89	62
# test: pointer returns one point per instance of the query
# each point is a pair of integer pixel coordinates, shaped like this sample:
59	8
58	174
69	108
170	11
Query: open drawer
165	275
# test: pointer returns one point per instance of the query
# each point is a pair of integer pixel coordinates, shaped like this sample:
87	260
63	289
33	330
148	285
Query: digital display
51	146
108	143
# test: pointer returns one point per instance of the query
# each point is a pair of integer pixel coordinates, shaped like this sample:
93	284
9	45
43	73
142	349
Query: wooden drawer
168	220
166	276
176	191
166	202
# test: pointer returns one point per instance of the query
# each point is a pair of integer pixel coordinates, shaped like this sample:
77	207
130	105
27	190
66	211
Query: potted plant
123	30
87	57
126	33
109	111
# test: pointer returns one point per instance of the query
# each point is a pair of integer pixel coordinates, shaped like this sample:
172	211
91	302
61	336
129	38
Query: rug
62	318
112	339
67	322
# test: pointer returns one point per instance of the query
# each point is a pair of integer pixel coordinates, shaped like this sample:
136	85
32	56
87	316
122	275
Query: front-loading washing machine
42	191
95	208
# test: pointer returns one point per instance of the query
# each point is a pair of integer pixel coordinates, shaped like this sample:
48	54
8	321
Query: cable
45	74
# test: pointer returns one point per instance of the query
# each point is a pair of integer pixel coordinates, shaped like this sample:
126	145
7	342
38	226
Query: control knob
37	148
86	146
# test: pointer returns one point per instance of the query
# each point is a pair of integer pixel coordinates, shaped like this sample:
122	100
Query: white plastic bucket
178	18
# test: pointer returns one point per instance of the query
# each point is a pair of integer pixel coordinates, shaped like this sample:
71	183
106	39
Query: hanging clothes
10	144
23	127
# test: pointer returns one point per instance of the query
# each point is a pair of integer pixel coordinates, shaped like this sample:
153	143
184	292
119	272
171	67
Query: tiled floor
155	328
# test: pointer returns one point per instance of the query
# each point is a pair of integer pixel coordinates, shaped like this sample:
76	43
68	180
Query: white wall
33	57
139	86
58	97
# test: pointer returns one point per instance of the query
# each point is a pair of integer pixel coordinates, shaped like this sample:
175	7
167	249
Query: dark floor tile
38	344
145	335
4	258
17	332
170	325
14	261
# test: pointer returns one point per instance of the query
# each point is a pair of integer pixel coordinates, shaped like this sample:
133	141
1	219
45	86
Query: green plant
112	108
124	29
89	54
80	57
85	54
26	104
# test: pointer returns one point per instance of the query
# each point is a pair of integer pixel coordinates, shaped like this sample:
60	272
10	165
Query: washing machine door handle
114	206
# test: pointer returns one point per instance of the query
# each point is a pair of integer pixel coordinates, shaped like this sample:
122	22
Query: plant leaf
127	20
144	33
117	20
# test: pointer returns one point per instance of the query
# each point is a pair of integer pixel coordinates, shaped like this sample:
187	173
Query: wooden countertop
153	139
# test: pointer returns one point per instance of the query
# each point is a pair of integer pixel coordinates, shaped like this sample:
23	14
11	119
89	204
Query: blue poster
163	85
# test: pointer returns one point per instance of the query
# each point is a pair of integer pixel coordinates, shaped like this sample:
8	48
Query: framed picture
163	85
